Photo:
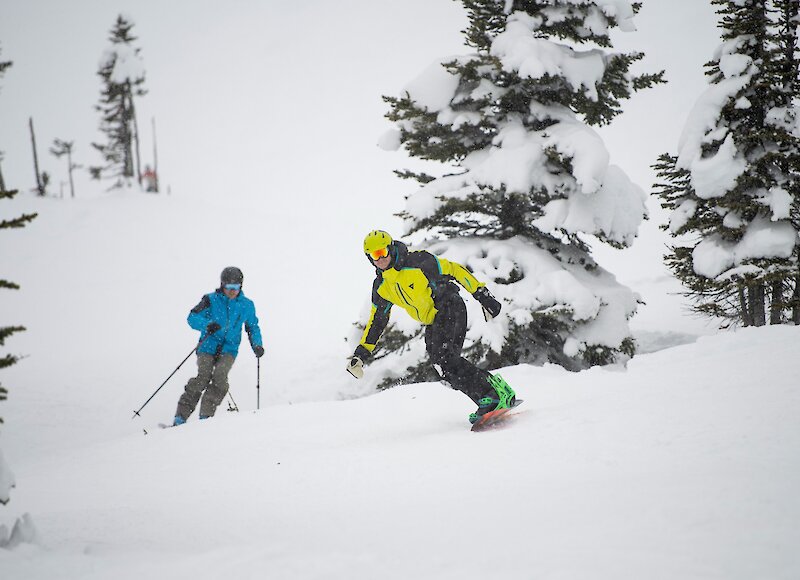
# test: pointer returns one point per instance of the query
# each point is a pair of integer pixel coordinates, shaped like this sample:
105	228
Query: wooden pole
69	164
39	185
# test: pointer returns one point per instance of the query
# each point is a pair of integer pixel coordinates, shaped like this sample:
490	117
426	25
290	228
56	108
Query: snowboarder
422	284
219	317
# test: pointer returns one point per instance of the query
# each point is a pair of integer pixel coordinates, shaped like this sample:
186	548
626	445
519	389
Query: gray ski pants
211	383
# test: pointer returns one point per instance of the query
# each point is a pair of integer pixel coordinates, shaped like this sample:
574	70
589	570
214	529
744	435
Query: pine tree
123	79
3	66
526	179
732	188
6	479
61	148
7	331
786	114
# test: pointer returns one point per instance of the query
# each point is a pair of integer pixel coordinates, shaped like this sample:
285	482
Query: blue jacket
230	315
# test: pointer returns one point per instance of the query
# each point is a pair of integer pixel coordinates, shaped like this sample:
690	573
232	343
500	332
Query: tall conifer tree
525	179
786	116
6	478
733	186
122	73
3	66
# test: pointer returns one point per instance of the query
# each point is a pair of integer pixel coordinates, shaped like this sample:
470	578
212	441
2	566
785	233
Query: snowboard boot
502	396
178	421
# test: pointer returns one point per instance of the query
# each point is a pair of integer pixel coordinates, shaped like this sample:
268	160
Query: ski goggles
378	254
233	286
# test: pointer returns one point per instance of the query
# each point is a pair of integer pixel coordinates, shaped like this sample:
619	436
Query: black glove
491	307
212	327
258	350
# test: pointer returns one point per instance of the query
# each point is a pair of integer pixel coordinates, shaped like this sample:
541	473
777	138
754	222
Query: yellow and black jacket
417	282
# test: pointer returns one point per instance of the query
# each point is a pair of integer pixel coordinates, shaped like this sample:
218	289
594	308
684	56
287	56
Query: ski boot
502	396
178	421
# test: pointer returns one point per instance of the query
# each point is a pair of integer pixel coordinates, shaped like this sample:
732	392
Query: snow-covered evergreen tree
733	187
121	70
6	477
786	114
526	179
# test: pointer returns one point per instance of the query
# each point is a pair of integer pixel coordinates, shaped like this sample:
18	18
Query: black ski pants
444	340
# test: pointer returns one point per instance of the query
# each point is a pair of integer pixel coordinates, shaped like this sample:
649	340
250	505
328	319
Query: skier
150	179
422	284
219	317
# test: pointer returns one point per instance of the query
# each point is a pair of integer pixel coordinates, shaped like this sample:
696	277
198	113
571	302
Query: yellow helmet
376	240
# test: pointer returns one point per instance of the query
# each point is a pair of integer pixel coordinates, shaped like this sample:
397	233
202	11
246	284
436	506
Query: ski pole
233	407
258	383
194	350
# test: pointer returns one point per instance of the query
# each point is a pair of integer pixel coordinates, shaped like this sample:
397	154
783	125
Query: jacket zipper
405	299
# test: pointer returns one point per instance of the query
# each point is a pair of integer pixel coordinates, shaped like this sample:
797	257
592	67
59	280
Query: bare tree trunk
127	138
135	138
2	182
69	165
776	303
796	301
39	184
747	319
757	304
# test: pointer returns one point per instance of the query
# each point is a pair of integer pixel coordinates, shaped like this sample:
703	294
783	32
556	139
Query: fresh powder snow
682	464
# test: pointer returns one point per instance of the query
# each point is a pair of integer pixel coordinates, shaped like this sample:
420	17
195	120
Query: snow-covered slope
107	283
683	466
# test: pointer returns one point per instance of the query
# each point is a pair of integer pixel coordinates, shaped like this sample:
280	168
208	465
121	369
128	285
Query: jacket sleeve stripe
378	320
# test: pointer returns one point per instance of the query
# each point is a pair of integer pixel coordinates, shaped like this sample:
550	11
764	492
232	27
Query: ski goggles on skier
233	286
380	253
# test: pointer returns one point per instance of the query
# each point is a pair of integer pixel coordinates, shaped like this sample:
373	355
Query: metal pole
233	407
258	383
136	413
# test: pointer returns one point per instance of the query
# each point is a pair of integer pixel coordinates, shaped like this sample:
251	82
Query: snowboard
494	419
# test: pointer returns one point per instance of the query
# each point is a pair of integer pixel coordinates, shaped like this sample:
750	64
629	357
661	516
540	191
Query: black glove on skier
258	350
212	327
491	307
